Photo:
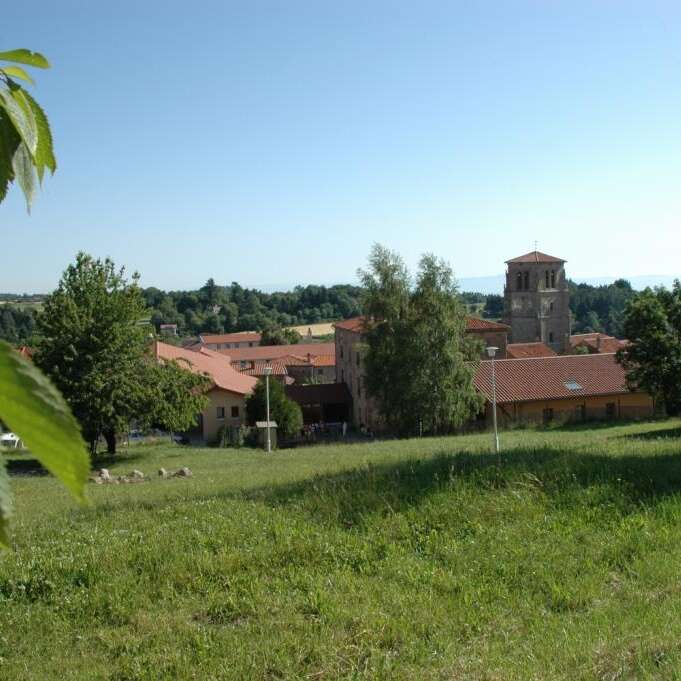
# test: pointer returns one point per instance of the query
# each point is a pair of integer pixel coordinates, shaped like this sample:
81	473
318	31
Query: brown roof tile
272	352
209	363
524	350
535	256
545	378
238	337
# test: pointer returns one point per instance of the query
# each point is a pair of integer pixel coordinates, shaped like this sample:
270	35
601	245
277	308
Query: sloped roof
209	363
257	367
524	350
597	342
473	324
272	352
238	337
535	256
545	378
355	324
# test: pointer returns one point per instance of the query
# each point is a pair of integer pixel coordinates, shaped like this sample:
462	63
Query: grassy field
397	560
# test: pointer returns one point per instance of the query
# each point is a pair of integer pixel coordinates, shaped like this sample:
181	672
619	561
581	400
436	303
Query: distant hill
495	283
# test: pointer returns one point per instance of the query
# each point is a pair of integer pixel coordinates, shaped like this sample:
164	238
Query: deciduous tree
416	356
652	324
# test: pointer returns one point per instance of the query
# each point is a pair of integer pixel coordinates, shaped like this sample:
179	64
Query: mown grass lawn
420	559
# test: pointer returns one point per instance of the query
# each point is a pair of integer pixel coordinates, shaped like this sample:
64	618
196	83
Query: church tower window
527	281
553	279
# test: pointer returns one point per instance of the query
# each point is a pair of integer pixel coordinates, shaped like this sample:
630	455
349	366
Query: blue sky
273	142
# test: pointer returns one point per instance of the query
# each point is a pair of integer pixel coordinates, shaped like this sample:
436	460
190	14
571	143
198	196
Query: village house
525	350
227	394
228	341
595	343
562	388
348	351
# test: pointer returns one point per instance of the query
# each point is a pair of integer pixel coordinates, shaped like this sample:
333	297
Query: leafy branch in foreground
29	404
25	137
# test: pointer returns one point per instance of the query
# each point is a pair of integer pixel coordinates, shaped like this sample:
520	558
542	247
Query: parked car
11	441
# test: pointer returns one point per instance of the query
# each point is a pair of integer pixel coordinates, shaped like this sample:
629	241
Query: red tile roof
209	363
546	378
238	337
355	324
524	350
597	342
25	351
535	256
473	324
272	352
257	367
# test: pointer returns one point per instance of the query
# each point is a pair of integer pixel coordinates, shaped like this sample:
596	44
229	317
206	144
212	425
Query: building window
220	413
527	281
610	410
547	278
358	359
359	388
235	412
519	281
547	415
250	345
550	336
342	375
341	350
553	279
551	306
581	412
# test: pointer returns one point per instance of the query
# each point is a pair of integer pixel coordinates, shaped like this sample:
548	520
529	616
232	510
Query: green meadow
414	559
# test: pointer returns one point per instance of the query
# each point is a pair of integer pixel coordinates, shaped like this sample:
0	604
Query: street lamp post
268	372
491	352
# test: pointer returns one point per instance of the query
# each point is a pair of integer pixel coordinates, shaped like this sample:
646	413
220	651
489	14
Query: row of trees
594	308
220	309
17	324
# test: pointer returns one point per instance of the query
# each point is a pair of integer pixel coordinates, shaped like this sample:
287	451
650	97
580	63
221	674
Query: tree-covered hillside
218	309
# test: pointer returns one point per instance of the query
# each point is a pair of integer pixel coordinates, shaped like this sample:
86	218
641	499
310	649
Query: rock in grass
104	474
136	475
162	473
184	472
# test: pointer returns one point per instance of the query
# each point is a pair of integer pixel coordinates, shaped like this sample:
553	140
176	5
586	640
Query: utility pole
492	351
268	371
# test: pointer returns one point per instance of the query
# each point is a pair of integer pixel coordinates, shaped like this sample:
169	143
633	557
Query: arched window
519	281
547	278
553	279
527	281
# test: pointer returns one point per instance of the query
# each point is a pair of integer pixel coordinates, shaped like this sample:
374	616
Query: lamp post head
492	351
268	370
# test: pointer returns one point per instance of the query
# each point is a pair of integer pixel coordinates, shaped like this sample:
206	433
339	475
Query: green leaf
23	56
9	141
5	505
17	72
44	155
24	172
20	114
34	409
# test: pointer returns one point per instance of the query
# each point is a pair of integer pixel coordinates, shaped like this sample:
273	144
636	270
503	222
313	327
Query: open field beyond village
412	559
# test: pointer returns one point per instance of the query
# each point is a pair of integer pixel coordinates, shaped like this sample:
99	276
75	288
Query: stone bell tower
536	300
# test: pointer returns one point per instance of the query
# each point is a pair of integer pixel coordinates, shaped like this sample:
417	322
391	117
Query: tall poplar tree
416	359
